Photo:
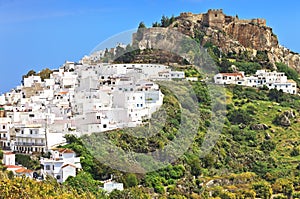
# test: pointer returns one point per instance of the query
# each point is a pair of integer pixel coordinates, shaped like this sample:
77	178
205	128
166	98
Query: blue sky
35	34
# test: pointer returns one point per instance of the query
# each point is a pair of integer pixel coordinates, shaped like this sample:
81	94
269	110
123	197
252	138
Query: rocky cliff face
233	35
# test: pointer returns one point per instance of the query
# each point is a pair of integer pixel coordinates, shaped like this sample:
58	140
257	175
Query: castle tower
214	18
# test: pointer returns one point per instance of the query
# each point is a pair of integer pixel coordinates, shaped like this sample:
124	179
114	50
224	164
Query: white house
272	80
62	164
29	81
8	158
110	186
30	138
5	127
229	78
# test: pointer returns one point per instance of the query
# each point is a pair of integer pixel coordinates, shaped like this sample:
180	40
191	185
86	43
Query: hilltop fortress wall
217	19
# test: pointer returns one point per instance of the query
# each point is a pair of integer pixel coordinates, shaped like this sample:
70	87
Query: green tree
165	21
142	25
225	66
130	180
275	95
156	24
195	166
239	116
262	189
84	182
45	74
30	73
28	161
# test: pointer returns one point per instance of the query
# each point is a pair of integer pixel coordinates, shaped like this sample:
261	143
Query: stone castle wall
215	18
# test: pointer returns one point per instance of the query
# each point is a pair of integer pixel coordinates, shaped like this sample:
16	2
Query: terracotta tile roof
63	92
23	170
232	74
63	150
66	165
8	153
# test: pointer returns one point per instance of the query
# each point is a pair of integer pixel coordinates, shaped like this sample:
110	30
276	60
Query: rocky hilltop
235	36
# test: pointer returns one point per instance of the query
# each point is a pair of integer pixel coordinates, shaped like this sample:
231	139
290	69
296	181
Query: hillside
256	156
258	153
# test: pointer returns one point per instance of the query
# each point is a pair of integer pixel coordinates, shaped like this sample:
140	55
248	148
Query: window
104	126
3	127
30	131
47	167
216	15
58	177
98	117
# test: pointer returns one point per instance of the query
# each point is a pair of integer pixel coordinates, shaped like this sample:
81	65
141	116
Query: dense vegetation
247	161
256	155
21	187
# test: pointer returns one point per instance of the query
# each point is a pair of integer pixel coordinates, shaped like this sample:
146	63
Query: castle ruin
215	18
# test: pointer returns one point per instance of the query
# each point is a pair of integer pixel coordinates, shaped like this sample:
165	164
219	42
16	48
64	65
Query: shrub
262	189
239	116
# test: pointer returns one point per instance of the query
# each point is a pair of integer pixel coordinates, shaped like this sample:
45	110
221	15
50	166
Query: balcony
38	136
29	144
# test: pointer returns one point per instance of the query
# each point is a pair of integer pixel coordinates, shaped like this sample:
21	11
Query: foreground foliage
23	187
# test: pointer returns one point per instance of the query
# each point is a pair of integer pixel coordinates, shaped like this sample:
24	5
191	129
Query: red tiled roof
23	170
63	150
232	74
71	165
63	92
8	153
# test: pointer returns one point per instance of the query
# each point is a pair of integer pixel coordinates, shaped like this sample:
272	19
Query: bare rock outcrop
233	35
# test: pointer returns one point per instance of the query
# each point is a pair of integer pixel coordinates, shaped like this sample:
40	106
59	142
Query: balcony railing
29	144
19	135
